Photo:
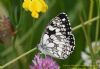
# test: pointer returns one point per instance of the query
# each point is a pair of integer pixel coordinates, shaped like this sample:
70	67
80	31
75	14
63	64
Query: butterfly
57	40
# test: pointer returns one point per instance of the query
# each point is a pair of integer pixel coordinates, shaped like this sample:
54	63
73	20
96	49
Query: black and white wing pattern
57	40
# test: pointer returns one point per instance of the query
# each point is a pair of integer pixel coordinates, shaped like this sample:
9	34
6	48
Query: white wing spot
57	30
51	28
45	37
50	45
63	19
60	49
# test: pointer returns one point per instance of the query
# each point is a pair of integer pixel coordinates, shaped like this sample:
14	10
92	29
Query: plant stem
85	23
97	27
97	24
91	9
89	32
14	60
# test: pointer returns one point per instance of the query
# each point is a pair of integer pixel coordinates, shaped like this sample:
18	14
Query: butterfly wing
58	40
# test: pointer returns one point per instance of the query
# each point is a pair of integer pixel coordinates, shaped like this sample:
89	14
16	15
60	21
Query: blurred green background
29	30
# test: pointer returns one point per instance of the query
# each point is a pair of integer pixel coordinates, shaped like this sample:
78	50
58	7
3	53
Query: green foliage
29	30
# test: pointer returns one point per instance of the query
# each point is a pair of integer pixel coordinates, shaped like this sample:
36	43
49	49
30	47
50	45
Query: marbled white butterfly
57	40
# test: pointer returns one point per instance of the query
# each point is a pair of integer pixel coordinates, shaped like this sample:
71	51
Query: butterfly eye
60	42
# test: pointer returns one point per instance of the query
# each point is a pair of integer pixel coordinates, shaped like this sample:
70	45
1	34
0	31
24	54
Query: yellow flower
35	7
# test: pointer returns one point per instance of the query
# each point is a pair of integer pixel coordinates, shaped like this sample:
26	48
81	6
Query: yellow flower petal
35	14
44	6
35	5
26	4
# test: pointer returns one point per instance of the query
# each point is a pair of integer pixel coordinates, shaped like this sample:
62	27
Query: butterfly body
58	40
